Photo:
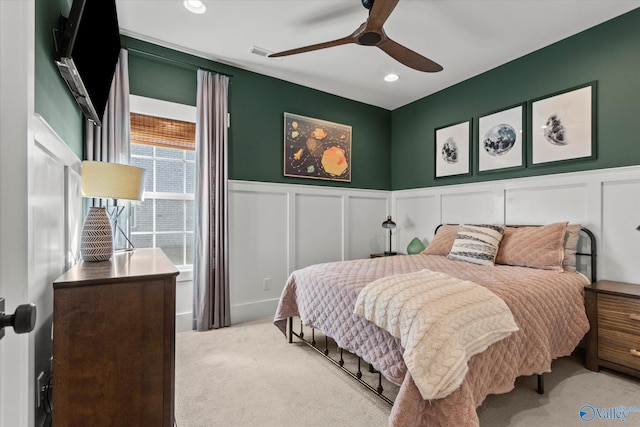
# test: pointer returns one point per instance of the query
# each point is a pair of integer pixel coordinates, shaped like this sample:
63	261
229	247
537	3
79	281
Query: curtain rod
175	61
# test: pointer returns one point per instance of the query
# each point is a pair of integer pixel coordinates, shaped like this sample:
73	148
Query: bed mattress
548	307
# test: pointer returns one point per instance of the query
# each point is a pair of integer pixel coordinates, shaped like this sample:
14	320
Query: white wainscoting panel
258	250
54	202
319	229
275	229
416	216
606	201
544	204
481	206
73	214
620	251
184	301
366	235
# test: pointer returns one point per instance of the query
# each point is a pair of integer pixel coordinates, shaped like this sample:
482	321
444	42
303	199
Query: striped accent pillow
477	244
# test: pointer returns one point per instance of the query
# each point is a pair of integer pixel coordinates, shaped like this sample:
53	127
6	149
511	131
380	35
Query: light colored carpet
248	375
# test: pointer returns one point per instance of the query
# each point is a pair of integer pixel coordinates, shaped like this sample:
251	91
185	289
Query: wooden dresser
114	342
613	341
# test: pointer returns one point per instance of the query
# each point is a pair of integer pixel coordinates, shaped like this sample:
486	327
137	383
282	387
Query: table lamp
389	225
105	180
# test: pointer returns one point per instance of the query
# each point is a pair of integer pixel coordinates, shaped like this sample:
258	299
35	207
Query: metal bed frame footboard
590	252
378	390
340	363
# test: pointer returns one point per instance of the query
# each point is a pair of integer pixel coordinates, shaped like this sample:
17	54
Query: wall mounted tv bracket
58	42
23	320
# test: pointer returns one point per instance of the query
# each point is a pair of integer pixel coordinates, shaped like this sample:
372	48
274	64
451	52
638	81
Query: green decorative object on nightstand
415	246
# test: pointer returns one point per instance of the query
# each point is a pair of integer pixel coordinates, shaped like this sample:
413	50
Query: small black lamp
389	225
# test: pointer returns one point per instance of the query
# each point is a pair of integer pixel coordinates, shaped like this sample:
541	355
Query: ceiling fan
371	33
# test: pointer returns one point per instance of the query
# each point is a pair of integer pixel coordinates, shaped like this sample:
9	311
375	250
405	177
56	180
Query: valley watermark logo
618	413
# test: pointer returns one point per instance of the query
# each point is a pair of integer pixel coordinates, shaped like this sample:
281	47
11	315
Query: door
40	215
38	242
17	21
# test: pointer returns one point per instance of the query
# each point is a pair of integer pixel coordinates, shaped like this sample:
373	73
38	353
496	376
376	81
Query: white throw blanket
441	322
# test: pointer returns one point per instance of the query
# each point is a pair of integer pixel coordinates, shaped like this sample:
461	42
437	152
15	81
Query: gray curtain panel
210	266
111	141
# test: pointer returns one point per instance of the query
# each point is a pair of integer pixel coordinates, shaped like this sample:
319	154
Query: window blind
162	132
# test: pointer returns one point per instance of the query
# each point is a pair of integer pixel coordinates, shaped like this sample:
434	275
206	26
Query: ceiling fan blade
380	13
337	42
408	57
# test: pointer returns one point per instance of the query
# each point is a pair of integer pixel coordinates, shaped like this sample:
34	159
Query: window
165	148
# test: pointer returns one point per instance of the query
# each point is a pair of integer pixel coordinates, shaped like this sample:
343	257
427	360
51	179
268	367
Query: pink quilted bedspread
548	307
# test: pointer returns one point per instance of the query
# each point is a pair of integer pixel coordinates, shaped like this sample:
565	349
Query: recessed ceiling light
195	6
391	77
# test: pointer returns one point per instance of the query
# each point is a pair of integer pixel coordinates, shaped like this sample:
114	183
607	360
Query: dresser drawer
619	313
619	347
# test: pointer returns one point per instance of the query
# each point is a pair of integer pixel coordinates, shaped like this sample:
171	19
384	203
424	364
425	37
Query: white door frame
17	35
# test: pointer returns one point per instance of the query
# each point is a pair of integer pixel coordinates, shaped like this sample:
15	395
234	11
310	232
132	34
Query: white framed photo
563	126
501	137
452	149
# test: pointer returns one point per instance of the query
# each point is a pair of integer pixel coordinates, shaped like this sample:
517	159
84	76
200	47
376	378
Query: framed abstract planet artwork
452	149
501	136
317	149
563	125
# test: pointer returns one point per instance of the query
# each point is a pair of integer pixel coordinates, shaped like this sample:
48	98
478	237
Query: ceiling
466	37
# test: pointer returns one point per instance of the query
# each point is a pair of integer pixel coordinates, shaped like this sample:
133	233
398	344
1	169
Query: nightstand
382	254
613	341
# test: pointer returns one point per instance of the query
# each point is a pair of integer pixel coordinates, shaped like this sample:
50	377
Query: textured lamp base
96	243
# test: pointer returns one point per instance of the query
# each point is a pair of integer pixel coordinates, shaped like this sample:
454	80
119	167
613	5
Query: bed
533	271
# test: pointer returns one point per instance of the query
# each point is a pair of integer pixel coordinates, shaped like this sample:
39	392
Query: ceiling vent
264	53
260	51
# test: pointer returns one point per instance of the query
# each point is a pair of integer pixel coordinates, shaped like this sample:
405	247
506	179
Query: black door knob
22	321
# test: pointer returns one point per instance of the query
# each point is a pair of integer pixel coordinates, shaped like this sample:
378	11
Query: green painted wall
52	99
257	104
608	53
391	150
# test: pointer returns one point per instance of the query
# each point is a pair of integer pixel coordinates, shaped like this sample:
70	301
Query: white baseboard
239	313
184	322
253	310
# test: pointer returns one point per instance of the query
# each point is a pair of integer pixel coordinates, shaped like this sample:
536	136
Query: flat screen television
88	46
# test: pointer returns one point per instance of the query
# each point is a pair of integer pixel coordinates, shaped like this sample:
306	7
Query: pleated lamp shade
106	180
112	181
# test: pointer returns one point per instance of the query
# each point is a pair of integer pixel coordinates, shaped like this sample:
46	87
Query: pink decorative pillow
536	247
442	241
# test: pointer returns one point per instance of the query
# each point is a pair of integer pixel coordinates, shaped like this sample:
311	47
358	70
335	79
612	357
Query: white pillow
477	244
